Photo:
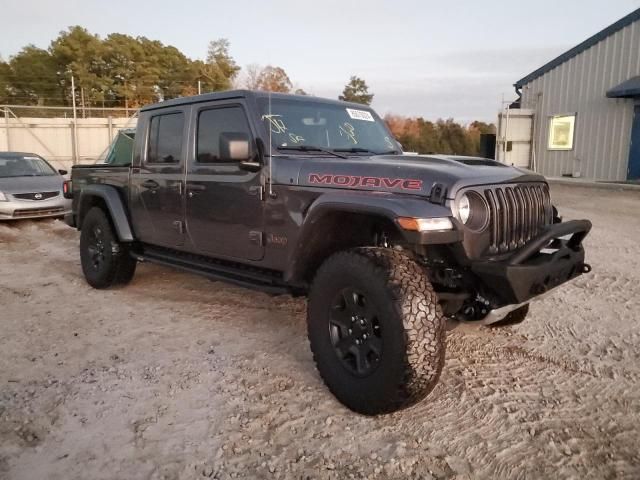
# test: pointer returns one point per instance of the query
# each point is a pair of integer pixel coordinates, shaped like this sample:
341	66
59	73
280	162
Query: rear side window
213	123
165	138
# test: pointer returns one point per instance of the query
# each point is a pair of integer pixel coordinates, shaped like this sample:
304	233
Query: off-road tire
115	265
411	322
513	318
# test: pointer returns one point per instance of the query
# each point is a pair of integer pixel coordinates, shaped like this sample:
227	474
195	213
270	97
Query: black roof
588	43
230	94
628	89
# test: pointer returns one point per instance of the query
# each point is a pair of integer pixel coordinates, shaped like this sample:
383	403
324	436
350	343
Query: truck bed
102	173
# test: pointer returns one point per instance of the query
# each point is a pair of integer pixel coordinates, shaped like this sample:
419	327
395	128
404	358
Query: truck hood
44	183
409	174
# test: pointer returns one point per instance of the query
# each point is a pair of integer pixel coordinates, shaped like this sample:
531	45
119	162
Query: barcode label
360	115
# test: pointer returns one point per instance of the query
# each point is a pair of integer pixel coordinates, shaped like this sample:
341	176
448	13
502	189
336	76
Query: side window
165	138
212	124
561	132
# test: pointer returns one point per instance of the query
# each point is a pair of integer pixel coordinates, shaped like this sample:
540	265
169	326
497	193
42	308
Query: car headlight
3	197
464	209
473	211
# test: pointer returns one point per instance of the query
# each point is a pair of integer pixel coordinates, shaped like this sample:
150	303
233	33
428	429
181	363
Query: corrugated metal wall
603	125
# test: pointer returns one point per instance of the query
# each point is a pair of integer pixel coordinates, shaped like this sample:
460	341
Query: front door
634	148
158	183
224	206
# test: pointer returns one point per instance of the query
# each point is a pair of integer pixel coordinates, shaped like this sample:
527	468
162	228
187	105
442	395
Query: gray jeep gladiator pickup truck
301	195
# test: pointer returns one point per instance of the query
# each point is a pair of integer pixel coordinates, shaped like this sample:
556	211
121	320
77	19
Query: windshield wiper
364	150
354	150
310	148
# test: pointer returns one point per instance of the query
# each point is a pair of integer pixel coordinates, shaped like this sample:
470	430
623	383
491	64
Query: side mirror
235	147
62	172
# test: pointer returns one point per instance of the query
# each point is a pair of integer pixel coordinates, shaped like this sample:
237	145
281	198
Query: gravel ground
175	376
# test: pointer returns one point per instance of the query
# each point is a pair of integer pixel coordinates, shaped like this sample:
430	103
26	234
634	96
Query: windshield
24	166
296	124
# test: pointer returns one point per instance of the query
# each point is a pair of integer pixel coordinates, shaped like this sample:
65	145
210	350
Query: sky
447	59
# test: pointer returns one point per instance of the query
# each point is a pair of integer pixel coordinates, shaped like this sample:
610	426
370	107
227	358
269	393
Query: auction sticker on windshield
360	115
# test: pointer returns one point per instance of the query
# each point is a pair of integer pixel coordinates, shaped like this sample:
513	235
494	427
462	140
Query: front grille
29	212
517	214
36	195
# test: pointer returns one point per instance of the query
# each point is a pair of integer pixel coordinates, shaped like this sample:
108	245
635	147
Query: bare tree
251	76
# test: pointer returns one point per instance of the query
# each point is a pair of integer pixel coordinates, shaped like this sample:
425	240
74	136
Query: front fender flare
115	206
387	206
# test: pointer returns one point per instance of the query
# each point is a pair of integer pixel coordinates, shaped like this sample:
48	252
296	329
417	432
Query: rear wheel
105	260
376	329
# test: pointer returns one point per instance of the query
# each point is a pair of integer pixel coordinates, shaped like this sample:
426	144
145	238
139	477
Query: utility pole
75	121
126	100
199	88
84	115
6	126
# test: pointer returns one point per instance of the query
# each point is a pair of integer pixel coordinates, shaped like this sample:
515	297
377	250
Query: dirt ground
175	376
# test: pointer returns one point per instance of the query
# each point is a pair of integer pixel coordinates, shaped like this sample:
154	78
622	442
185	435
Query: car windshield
24	166
310	126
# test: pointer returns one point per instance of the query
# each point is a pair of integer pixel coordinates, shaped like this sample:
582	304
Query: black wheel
105	261
376	330
515	317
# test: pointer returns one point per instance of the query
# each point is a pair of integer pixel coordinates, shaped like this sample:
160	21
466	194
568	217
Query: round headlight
464	209
473	211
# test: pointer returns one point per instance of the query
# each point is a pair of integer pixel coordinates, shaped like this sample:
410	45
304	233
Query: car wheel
105	261
376	330
513	318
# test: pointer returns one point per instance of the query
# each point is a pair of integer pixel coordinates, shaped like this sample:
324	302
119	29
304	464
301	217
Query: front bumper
551	259
16	209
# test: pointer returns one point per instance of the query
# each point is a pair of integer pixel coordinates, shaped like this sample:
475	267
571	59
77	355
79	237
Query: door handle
151	184
194	188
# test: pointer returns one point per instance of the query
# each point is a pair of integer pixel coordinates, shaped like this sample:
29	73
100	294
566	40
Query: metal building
585	107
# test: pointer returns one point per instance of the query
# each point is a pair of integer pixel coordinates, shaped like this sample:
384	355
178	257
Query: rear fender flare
115	208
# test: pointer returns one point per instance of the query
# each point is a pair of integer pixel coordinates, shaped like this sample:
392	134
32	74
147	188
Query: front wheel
105	261
376	330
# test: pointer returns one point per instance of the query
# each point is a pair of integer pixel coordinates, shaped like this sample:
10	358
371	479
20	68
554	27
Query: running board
249	278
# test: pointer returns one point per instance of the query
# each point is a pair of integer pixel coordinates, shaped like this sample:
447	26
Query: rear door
158	182
224	207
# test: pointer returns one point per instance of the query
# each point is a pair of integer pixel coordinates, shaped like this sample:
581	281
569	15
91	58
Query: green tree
81	53
175	75
5	81
356	91
120	70
220	69
34	78
453	138
125	60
